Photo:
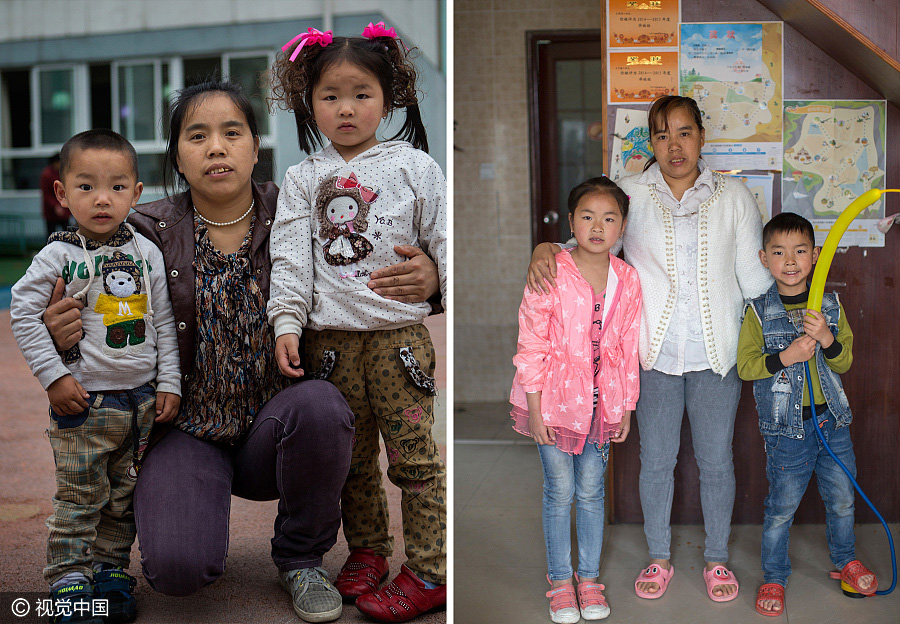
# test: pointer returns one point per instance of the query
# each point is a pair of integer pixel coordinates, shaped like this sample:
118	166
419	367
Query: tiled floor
500	565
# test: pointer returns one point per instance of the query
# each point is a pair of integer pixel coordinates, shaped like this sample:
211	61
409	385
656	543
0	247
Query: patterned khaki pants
95	458
387	378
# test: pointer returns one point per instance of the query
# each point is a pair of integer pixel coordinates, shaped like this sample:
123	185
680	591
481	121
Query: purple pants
297	451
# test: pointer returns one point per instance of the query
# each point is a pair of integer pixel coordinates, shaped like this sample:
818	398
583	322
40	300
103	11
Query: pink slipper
654	574
720	575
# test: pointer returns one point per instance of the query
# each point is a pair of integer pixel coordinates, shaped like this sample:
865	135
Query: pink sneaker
591	600
563	604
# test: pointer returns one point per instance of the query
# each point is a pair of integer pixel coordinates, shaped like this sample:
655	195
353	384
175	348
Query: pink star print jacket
554	353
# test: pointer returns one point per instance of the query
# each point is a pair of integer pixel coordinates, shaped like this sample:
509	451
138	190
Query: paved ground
248	592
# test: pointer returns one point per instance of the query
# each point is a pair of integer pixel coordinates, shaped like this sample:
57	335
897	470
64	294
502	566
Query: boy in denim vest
778	335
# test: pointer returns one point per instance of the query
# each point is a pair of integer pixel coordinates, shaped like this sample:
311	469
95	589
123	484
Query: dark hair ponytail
413	129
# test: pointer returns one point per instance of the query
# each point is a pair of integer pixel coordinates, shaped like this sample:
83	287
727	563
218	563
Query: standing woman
243	429
693	235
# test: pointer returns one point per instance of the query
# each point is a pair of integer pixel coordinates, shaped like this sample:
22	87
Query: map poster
760	184
833	153
734	72
643	23
640	76
631	143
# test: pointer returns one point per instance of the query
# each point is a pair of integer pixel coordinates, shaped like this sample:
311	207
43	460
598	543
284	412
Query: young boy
778	335
104	392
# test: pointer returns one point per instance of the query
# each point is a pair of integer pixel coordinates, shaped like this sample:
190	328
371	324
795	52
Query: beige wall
492	218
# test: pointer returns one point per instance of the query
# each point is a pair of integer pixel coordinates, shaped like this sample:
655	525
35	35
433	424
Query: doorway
567	106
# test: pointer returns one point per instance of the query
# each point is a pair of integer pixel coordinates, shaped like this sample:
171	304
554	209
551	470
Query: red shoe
402	599
362	573
851	573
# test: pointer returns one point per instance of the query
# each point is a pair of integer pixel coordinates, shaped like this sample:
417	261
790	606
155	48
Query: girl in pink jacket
575	388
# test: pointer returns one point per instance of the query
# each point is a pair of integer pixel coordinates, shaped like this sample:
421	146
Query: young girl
361	200
694	239
576	385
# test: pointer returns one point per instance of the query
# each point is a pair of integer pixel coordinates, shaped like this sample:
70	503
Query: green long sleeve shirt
753	362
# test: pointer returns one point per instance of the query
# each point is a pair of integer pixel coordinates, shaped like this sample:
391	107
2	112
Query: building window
248	71
15	104
201	69
136	104
42	107
57	105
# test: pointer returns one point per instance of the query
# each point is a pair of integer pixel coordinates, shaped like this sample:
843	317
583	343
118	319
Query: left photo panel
223	300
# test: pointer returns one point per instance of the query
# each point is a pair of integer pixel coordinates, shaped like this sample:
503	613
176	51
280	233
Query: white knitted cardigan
729	271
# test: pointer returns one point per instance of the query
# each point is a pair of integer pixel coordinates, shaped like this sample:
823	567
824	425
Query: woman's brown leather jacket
169	224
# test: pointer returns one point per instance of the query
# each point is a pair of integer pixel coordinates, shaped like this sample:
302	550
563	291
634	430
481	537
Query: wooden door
567	109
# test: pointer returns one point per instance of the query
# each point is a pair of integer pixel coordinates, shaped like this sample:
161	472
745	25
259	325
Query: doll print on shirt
122	305
342	209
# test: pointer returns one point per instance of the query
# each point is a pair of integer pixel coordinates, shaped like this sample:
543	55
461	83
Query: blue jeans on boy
711	402
789	465
580	477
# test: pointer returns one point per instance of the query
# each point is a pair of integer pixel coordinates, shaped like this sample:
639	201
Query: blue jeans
789	466
580	477
711	403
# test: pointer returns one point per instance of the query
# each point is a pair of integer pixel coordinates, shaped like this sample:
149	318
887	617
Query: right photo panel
671	238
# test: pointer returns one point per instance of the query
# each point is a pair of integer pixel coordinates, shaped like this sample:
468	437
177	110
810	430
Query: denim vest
779	398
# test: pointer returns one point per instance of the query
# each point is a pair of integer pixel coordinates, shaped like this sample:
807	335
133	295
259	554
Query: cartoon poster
631	143
643	23
760	184
639	76
734	71
833	153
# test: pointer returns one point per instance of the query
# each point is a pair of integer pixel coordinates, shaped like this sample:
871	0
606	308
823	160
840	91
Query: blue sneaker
115	586
72	603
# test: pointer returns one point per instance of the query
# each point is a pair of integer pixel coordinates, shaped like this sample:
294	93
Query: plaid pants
387	378
96	469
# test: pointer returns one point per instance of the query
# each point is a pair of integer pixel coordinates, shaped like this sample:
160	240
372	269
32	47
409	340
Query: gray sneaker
315	599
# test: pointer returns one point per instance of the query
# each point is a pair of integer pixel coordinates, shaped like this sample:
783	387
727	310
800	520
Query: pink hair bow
368	194
380	30
310	37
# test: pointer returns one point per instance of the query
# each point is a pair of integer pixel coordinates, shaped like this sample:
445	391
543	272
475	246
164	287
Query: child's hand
801	350
817	327
67	396
542	270
287	354
167	405
624	427
542	434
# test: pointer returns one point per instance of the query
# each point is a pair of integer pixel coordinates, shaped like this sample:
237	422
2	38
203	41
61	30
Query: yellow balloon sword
817	286
816	290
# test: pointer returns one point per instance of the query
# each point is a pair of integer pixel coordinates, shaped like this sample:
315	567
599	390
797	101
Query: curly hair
328	191
293	82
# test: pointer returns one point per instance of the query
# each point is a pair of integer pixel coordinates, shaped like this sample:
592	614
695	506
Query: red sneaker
402	599
361	574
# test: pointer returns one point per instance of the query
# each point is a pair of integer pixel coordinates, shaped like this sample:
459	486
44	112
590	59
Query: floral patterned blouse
234	357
